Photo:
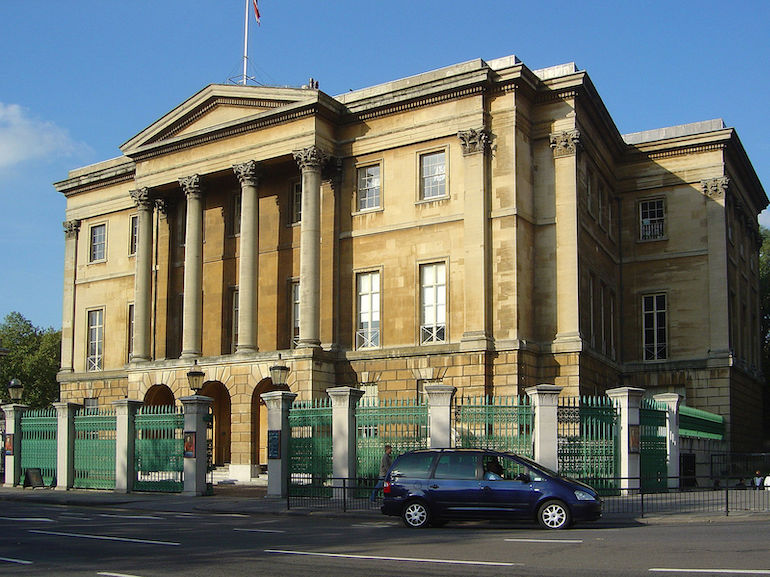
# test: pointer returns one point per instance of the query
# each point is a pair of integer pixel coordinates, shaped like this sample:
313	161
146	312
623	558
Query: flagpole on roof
245	43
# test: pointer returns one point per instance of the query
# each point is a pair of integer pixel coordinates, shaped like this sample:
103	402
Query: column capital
474	140
71	228
191	185
310	158
565	143
161	205
142	198
715	188
247	172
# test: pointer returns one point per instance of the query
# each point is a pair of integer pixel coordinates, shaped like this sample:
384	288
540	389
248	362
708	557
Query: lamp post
195	378
15	390
279	374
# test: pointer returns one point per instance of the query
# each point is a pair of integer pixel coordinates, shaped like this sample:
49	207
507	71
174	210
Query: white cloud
24	137
764	218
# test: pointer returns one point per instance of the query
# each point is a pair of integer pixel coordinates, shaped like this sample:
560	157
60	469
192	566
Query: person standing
385	463
758	481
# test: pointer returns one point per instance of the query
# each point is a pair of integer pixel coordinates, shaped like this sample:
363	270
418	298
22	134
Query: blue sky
81	77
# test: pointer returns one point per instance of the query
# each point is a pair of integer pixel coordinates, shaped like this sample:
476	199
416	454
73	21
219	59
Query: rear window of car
413	465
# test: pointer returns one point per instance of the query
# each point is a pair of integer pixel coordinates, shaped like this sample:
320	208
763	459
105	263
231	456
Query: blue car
430	487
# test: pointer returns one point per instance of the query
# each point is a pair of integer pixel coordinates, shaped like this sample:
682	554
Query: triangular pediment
216	106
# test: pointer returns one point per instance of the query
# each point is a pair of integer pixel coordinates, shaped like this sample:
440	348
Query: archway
159	395
259	422
221	412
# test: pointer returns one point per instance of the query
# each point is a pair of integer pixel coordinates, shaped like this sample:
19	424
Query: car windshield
536	466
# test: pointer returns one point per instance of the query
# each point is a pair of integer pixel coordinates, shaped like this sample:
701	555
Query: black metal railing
334	493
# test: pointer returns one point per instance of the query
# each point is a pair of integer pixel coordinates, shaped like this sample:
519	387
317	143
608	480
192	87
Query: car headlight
584	496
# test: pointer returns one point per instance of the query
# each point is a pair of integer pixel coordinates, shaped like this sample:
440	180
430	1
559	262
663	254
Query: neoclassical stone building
483	224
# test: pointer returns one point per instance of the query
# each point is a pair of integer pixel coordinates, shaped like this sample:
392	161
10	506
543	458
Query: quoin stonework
483	225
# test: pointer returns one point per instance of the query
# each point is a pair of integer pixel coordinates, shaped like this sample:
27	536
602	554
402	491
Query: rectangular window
433	303
296	202
590	193
433	175
98	247
234	323
95	358
130	335
91	405
368	325
600	199
654	327
369	187
134	234
651	219
235	215
294	314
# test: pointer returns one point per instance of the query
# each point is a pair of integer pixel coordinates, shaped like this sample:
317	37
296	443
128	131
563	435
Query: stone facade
484	225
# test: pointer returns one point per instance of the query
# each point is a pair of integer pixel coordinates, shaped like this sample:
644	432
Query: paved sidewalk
252	500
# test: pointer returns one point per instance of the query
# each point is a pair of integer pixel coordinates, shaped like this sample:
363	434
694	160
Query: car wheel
553	515
416	515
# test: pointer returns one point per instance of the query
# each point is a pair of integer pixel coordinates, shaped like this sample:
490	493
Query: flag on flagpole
256	10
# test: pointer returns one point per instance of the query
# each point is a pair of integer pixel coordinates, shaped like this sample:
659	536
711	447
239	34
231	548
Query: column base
244	350
311	344
190	355
476	341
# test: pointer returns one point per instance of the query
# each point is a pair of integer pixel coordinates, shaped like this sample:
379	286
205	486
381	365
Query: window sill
432	199
364	211
656	239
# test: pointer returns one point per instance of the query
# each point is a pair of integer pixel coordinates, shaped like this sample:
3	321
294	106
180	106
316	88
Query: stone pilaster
193	268
143	275
545	405
196	408
475	144
671	400
278	406
13	414
248	272
716	189
344	401
71	229
440	414
628	400
565	146
65	444
310	161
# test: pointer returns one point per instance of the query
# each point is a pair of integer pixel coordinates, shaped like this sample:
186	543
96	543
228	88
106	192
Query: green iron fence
38	443
400	423
588	441
500	423
653	449
310	441
94	452
700	424
159	449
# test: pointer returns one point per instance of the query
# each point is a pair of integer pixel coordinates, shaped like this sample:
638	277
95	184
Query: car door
454	489
512	494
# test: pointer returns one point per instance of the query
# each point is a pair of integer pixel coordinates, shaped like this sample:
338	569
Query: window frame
650	236
294	309
91	244
131	327
95	360
235	298
378	196
438	331
133	234
235	214
421	178
368	338
295	203
653	348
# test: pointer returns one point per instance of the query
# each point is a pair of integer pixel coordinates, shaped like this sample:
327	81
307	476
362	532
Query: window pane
433	174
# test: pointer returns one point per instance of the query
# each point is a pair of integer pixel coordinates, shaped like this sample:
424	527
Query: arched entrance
159	395
221	411
259	422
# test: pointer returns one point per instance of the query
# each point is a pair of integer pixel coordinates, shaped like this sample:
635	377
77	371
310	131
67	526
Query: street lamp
279	374
15	390
195	378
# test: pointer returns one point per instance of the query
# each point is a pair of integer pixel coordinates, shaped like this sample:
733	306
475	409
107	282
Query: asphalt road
65	541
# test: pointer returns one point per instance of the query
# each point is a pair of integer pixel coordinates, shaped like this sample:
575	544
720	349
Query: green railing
500	423
310	441
653	449
94	449
401	423
700	424
159	449
38	443
589	441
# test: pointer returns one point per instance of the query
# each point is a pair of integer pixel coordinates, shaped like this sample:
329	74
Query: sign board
633	438
9	444
274	444
33	478
189	444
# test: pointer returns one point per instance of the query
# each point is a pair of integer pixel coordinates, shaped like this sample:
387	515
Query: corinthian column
71	228
310	161
475	144
193	267
248	272
565	146
143	275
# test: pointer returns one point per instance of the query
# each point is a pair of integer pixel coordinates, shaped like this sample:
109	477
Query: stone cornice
98	179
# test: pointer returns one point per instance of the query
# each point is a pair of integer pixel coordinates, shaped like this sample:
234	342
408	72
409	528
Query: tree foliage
34	356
